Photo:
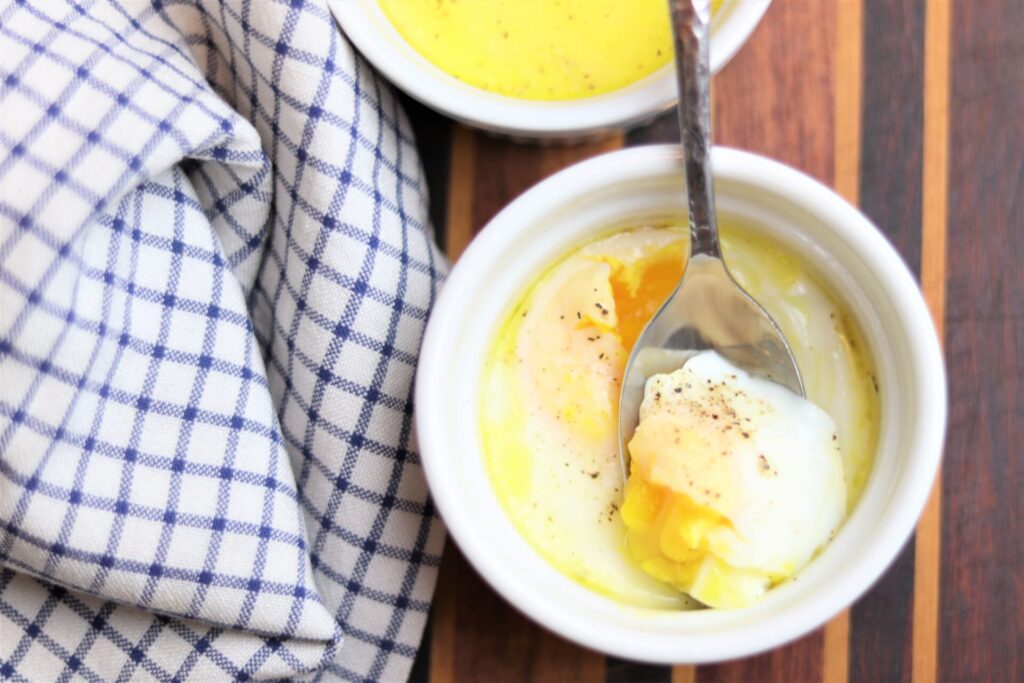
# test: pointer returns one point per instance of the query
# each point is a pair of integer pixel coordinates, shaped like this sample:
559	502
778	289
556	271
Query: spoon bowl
708	310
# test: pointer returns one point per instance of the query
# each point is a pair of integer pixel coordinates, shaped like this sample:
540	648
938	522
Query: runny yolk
667	531
639	291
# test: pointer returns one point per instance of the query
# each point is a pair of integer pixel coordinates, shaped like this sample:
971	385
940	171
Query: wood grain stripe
891	122
848	86
927	549
459	228
846	181
477	636
684	674
938	15
881	641
981	631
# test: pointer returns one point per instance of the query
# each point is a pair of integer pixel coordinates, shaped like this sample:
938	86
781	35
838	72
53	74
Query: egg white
758	455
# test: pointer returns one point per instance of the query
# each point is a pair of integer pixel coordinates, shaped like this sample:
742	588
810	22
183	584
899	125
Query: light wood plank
459	223
848	97
684	674
935	189
442	625
554	158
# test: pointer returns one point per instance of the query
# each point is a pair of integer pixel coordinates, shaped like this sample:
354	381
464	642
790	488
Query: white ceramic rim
797	616
376	38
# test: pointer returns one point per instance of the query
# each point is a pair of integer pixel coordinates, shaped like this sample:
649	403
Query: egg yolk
668	535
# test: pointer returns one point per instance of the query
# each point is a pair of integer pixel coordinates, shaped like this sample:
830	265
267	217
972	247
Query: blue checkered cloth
215	270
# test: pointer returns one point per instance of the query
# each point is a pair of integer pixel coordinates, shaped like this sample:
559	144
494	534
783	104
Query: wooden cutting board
913	110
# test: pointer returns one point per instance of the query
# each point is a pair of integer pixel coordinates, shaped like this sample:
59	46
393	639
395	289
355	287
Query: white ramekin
572	207
366	25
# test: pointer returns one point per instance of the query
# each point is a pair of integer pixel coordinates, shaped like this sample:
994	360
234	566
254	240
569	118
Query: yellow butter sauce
539	49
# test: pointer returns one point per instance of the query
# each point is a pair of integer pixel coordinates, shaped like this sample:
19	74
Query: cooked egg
551	383
550	419
735	482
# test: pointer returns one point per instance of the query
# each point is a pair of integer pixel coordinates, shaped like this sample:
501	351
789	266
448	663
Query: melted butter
549	412
538	49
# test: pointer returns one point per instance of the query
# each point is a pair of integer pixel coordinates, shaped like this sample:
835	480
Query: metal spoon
708	309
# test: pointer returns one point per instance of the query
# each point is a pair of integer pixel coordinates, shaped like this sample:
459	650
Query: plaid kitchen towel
215	269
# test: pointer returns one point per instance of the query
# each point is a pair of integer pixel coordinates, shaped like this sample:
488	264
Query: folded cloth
215	270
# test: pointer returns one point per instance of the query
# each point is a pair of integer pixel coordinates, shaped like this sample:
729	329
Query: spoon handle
691	21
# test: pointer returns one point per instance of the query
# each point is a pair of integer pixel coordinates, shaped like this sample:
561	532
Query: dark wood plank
982	590
893	111
663	128
433	133
624	671
881	636
795	663
503	170
495	643
420	671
